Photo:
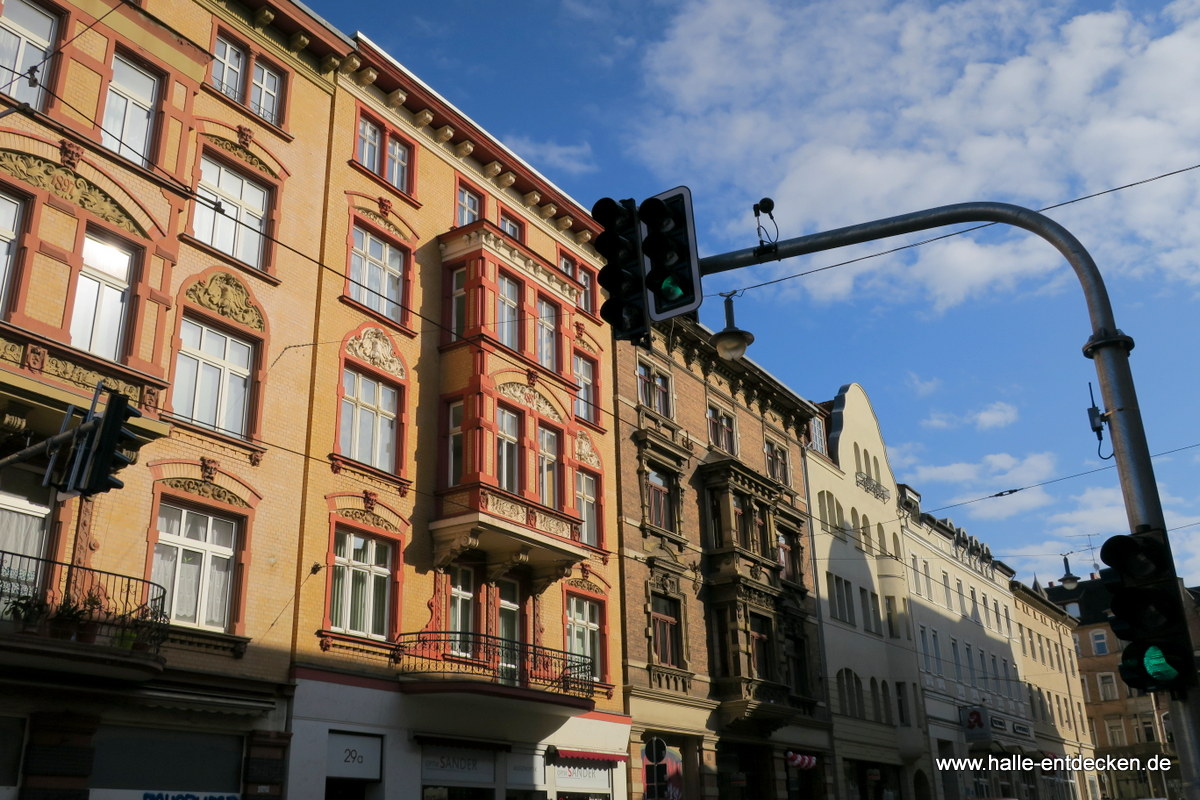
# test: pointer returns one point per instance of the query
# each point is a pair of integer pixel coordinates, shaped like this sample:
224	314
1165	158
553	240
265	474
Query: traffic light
673	275
1148	612
623	274
102	456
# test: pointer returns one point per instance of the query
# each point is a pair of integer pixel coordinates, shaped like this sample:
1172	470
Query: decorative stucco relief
68	185
374	347
227	296
238	151
530	398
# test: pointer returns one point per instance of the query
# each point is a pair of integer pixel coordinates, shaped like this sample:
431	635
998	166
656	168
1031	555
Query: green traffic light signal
1157	666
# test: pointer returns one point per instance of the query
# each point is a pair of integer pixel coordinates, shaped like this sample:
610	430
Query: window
511	227
508	312
458	304
889	607
470	206
586	506
777	461
789	554
101	299
230	74
369	429
10	223
971	667
816	430
962	598
587	295
361	590
1099	643
566	264
720	429
761	649
654	389
508	450
902	703
231	212
1108	686
129	111
455	462
26	34
958	673
548	467
508	630
462	610
384	153
547	334
377	274
841	601
212	378
668	639
659	500
585	391
194	562
583	632
925	652
946	587
1115	728
983	679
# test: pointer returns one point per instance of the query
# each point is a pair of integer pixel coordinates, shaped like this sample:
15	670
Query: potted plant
67	618
93	608
28	610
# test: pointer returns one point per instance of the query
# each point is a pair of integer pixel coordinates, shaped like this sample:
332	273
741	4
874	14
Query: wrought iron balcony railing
873	486
452	655
90	606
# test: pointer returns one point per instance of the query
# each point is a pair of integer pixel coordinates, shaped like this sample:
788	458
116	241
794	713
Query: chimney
1095	577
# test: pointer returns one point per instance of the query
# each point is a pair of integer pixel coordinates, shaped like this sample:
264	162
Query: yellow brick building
366	547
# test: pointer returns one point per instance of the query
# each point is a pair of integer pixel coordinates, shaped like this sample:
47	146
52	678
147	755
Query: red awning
588	755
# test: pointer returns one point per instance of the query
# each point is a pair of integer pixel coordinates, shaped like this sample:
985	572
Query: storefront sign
457	764
975	724
352	755
577	777
524	769
1021	729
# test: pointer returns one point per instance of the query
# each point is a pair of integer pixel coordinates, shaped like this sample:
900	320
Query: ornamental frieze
585	453
10	351
210	491
82	376
375	348
379	219
238	151
225	295
66	184
585	585
366	518
530	398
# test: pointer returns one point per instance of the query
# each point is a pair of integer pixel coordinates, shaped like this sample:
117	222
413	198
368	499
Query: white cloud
997	415
923	388
993	473
849	110
573	159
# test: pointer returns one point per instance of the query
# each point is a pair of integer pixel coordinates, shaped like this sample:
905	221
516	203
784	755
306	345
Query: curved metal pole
1108	346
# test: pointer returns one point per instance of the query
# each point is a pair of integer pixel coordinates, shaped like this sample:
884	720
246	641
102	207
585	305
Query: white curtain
21	533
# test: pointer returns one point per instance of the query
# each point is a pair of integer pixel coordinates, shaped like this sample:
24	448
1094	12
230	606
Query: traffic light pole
1108	347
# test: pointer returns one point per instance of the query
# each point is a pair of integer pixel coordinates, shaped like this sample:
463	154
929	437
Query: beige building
1054	687
866	621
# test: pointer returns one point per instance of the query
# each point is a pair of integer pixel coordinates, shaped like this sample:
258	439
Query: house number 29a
353	756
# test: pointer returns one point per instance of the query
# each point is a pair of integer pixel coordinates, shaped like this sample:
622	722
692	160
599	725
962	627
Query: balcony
60	617
872	486
761	705
435	662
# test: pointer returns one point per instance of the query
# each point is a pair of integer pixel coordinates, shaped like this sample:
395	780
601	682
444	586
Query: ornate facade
720	631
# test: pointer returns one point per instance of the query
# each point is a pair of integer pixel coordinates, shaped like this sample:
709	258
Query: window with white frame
377	274
816	430
27	32
1099	643
508	312
508	450
361	591
129	111
231	212
10	223
508	630
455	462
383	152
654	389
547	334
458	304
194	562
101	299
470	206
1108	686
234	67
584	632
511	226
585	391
548	447
462	610
212	378
587	297
369	426
586	506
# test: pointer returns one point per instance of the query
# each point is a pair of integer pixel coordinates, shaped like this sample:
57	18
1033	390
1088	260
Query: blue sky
845	111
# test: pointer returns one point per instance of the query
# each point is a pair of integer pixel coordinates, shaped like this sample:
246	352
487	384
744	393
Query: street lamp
1069	582
731	343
